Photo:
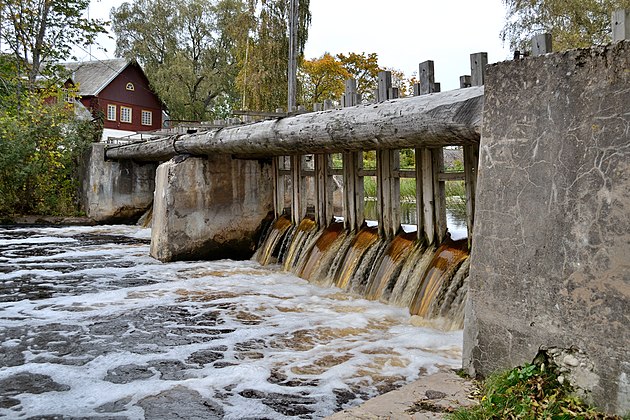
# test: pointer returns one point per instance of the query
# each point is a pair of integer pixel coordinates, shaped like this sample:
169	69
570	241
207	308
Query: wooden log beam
447	118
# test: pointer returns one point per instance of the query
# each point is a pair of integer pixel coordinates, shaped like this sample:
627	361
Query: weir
548	227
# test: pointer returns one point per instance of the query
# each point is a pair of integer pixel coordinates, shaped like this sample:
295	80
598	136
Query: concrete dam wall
550	266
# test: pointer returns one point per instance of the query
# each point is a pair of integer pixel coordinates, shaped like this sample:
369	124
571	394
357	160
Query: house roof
93	76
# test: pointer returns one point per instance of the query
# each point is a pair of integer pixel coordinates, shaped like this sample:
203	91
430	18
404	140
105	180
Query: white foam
303	332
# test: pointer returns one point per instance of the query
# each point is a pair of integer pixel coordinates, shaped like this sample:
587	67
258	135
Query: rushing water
92	327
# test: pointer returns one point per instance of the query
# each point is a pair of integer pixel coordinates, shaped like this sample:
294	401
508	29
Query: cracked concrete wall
550	266
115	191
210	207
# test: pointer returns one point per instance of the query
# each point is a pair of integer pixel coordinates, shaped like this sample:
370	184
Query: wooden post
478	63
426	75
621	25
279	191
352	164
541	44
388	192
323	189
298	202
424	195
384	83
439	194
465	82
353	190
471	161
328	104
294	6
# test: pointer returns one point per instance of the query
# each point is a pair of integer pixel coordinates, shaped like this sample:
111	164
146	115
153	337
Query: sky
403	34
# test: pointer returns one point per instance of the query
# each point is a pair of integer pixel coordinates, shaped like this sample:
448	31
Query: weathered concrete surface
115	192
430	397
440	119
209	208
550	266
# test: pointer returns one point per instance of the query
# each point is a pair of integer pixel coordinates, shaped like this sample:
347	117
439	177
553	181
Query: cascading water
429	280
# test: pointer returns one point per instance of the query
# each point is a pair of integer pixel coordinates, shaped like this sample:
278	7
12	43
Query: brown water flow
300	241
444	264
268	252
362	242
382	282
319	257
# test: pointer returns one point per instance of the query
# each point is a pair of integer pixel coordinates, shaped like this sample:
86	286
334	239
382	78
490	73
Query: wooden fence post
425	213
352	164
426	76
478	63
298	202
278	178
323	189
620	25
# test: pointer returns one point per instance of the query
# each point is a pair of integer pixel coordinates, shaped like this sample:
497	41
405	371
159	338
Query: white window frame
111	112
149	117
123	118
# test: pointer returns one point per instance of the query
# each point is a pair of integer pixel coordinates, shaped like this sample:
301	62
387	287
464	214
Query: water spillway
429	280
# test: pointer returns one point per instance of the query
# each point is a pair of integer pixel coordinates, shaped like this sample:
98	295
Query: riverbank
47	220
430	397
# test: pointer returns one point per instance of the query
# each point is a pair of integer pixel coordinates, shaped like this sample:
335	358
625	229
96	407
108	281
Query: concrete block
209	207
115	191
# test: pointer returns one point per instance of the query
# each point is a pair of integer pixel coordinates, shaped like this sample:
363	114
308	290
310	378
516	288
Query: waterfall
430	280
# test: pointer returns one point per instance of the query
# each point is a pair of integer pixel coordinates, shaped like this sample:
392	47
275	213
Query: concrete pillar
209	208
115	191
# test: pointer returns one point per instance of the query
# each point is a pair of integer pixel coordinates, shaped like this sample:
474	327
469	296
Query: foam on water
111	332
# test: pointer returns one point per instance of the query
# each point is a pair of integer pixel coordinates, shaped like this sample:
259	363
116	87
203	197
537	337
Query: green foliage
43	31
572	23
187	50
528	392
40	146
263	59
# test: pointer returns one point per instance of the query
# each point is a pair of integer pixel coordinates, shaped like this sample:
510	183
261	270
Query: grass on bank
528	392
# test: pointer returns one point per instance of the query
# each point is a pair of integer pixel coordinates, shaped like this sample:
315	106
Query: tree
322	78
364	68
187	50
263	77
39	32
41	141
572	23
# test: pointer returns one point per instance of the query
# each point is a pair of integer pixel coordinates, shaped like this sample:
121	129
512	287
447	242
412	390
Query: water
92	327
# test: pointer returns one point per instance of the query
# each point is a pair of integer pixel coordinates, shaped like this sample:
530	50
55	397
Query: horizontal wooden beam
448	118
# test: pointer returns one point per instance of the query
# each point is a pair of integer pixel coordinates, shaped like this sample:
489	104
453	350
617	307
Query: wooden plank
452	176
541	44
620	25
425	167
439	195
323	189
471	162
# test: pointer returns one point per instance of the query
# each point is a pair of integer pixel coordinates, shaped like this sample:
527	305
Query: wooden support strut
424	195
388	192
471	162
323	189
298	201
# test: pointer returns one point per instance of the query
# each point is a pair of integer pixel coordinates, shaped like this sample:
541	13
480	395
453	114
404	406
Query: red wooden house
119	91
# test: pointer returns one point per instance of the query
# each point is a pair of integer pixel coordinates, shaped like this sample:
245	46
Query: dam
544	267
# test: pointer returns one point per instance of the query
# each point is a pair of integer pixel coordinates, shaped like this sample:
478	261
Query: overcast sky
402	32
